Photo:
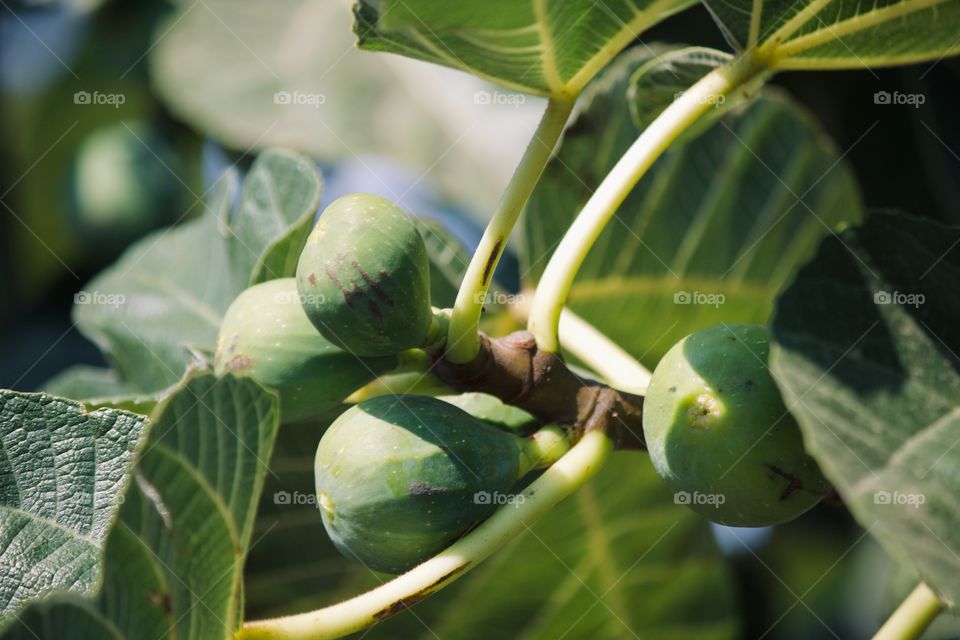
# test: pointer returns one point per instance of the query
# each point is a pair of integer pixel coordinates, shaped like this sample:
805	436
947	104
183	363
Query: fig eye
705	412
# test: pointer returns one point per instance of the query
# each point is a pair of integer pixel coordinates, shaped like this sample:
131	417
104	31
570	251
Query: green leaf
160	306
617	560
63	476
865	353
840	34
547	47
668	74
222	430
166	294
174	561
275	214
101	388
226	67
85	381
709	235
254	75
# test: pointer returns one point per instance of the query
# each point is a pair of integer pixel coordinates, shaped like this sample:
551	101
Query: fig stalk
463	336
913	616
554	286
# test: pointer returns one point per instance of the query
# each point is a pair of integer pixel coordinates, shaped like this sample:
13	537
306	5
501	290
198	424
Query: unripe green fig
719	434
399	479
121	183
266	335
365	277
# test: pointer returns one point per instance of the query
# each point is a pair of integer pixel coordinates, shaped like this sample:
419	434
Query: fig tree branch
514	369
559	481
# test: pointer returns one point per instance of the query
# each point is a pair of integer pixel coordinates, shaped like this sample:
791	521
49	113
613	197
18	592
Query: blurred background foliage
81	180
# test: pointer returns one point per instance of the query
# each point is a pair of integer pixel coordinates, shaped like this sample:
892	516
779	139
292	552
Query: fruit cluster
360	297
401	477
398	478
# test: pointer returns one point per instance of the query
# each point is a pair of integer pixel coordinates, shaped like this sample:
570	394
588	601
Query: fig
120	182
266	335
399	479
719	434
365	277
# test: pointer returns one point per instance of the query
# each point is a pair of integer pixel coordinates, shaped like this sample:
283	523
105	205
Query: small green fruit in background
365	277
719	434
401	478
267	336
122	182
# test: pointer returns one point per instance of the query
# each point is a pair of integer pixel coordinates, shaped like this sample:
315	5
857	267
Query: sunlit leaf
63	476
549	47
173	562
837	34
274	215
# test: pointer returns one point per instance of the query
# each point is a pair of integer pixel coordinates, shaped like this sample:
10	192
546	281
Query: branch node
515	370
